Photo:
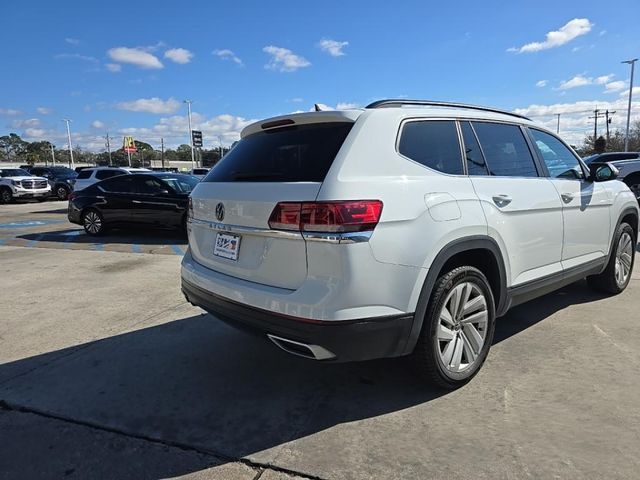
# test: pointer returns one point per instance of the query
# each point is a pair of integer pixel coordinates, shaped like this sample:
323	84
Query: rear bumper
344	341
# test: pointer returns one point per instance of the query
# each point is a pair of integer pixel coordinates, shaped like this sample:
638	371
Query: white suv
18	183
89	176
403	228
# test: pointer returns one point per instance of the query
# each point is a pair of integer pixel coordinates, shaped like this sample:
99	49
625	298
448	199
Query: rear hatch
276	161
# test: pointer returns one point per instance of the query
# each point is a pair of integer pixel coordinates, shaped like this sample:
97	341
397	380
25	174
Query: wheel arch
479	251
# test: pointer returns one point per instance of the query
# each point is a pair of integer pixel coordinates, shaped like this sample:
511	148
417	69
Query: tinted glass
84	174
122	184
14	172
63	172
432	143
475	161
104	174
149	185
301	153
505	150
181	183
559	160
37	171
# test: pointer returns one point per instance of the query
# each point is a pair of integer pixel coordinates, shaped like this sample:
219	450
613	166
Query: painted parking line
28	223
177	250
135	248
98	247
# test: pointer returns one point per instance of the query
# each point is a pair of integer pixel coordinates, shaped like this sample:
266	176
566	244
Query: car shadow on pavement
138	236
197	383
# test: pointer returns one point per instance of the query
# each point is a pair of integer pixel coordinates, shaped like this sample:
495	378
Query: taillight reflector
329	217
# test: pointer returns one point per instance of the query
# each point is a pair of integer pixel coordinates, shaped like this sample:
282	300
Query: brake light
190	209
329	217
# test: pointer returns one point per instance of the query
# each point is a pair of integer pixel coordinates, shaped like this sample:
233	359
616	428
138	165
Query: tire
617	274
62	193
93	222
451	349
6	196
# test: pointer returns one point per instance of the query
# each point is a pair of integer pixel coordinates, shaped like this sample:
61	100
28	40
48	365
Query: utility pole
221	147
626	137
71	164
558	127
193	159
53	154
162	151
108	145
607	117
596	114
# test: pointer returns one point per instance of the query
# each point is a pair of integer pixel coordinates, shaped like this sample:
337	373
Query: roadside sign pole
162	151
193	160
129	156
53	154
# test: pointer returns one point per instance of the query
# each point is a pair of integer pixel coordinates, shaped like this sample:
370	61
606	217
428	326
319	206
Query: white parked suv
89	176
404	228
18	183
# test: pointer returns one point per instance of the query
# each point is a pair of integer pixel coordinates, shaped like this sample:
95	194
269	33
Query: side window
37	172
475	160
104	174
122	184
84	174
432	143
149	185
560	162
505	149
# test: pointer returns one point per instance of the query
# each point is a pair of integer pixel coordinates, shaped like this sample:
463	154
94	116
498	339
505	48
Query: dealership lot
106	371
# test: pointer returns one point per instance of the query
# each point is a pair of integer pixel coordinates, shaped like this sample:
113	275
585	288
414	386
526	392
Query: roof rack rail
399	102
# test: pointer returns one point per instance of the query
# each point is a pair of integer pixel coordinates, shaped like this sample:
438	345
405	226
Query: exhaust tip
314	352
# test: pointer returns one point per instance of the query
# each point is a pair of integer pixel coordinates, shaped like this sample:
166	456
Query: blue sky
125	67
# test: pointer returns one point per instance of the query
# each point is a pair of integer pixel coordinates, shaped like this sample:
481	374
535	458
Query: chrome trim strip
316	351
337	238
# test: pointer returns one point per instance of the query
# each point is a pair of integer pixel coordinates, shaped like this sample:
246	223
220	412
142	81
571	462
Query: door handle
136	201
501	200
567	197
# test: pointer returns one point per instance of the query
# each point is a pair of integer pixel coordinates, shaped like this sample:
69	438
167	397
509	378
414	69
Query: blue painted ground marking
99	247
177	250
32	243
28	223
135	248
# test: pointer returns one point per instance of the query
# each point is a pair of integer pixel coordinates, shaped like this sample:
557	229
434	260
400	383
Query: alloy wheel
92	222
62	193
624	258
462	327
6	196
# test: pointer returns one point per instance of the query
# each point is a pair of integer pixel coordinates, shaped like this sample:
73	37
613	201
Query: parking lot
107	372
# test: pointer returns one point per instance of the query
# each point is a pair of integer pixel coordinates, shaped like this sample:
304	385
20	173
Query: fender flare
448	251
624	213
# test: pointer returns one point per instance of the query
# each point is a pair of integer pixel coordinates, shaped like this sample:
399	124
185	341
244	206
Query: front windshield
181	183
14	172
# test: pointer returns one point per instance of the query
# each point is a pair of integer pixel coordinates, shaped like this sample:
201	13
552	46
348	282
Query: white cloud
151	105
615	86
10	112
44	110
36	134
297	99
226	54
602	33
332	47
636	91
284	60
76	56
179	55
542	83
556	38
581	81
72	41
29	122
135	56
113	67
346	105
97	124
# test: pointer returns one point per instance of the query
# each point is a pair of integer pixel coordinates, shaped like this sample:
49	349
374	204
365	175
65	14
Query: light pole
193	160
221	147
108	145
72	166
53	154
626	137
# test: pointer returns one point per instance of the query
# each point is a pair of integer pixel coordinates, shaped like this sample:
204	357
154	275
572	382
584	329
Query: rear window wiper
255	175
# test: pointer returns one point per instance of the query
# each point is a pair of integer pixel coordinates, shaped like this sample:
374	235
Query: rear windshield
301	153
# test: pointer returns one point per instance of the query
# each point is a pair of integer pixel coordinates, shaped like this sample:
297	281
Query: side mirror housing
603	172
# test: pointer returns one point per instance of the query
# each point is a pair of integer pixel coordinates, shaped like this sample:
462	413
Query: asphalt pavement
107	372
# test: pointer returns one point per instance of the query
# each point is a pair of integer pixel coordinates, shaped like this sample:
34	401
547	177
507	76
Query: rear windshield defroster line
299	153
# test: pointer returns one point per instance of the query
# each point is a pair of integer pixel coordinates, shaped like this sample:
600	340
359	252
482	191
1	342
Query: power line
596	115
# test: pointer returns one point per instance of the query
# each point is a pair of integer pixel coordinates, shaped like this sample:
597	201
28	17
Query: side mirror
164	192
603	172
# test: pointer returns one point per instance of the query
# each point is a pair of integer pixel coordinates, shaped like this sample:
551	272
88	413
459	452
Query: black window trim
538	153
433	119
464	149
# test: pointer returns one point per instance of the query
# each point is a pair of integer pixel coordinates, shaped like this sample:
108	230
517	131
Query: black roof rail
399	102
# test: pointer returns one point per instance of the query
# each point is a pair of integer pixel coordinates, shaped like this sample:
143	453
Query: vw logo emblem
220	212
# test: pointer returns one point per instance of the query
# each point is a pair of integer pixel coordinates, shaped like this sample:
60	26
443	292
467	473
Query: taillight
190	209
329	217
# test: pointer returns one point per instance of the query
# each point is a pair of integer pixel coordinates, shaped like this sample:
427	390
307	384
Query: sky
126	67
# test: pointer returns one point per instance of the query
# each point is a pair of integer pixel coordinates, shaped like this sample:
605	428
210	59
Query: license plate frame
227	246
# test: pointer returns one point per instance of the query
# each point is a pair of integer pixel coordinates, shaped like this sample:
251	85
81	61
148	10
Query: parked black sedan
156	200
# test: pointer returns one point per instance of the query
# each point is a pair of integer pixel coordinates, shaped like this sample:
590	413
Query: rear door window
84	174
300	153
122	184
104	174
432	143
505	150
